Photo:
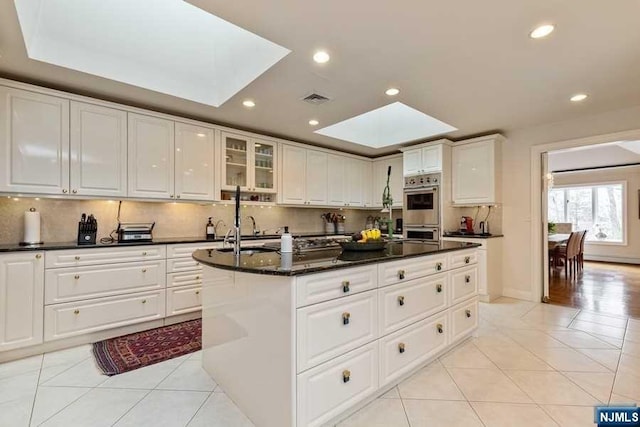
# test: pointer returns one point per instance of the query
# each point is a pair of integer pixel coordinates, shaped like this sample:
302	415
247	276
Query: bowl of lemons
367	240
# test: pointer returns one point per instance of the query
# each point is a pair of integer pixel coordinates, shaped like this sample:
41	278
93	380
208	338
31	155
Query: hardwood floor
601	287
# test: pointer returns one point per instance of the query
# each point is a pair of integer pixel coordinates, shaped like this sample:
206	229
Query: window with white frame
597	208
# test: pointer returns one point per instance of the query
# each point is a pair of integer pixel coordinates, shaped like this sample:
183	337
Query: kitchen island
307	339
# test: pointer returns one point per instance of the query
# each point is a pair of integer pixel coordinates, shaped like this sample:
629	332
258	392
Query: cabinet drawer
77	283
328	329
329	389
464	284
464	319
83	317
405	303
409	269
111	255
178	265
183	300
184	250
189	278
325	286
407	348
463	258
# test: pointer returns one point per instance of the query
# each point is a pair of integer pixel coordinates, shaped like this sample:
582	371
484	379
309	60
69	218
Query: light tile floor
530	365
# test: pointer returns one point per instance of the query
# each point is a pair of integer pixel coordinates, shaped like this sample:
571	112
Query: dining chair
581	251
569	253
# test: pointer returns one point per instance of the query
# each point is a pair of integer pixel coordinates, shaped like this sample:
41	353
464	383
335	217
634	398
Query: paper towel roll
31	227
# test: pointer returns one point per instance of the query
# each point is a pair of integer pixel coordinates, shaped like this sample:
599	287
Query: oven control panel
418	181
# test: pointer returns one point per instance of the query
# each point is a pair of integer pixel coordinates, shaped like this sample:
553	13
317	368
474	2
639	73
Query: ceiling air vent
315	99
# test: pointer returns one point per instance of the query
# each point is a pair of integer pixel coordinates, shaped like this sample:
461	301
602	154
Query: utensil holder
329	228
340	228
86	238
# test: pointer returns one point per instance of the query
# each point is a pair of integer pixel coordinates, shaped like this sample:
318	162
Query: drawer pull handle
197	277
345	318
74	191
144	301
144	253
346	376
468	313
197	292
76	311
345	286
401	274
467	279
438	266
401	347
467	260
77	276
38	256
440	328
77	258
64	190
401	300
438	288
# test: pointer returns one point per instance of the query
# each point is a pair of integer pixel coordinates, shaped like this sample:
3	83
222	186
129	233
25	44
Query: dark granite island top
321	260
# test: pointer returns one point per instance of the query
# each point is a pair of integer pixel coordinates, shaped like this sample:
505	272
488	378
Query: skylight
168	46
392	124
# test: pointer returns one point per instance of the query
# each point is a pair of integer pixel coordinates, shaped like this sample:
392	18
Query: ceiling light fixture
579	97
314	122
248	103
541	31
392	91
200	135
321	57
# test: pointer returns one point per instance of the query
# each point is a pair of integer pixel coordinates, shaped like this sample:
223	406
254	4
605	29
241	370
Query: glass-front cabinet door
249	163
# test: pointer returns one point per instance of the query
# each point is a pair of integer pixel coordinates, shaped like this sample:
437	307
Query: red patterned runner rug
122	354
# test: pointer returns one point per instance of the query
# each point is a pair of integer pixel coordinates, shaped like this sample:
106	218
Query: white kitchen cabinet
250	163
379	180
337	189
98	165
422	160
316	177
194	162
21	299
355	184
476	165
294	171
151	157
34	142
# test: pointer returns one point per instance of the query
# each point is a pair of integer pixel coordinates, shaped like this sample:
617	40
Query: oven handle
419	190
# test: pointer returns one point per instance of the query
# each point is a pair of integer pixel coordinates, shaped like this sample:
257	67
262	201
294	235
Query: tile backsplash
59	218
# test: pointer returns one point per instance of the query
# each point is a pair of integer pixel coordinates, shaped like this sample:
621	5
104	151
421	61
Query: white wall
631	251
600	155
517	197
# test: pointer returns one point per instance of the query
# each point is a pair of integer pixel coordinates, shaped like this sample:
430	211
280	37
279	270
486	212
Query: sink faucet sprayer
236	227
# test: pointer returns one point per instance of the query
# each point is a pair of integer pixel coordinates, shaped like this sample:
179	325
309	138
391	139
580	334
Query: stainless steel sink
249	251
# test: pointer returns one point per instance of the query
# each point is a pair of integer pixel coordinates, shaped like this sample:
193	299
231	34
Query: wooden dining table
557	239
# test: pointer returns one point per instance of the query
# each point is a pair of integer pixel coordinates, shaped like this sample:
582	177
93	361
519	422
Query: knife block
86	238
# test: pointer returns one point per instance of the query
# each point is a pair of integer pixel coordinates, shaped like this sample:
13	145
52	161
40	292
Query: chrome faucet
215	227
255	230
227	238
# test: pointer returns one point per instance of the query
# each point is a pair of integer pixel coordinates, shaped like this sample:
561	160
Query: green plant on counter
551	226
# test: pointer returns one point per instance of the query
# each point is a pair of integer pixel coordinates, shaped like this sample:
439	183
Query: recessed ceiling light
321	57
579	97
542	31
314	122
201	135
248	103
392	91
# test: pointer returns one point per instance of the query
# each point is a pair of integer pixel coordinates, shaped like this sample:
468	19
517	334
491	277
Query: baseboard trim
517	294
617	260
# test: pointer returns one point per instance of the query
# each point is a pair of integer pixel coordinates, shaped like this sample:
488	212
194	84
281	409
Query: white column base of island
308	349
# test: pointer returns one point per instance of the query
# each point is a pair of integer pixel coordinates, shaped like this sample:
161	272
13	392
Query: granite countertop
49	246
322	260
472	236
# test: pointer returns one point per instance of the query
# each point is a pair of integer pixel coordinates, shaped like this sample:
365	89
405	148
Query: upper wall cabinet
249	163
151	162
476	164
98	150
303	177
34	142
379	182
194	162
422	160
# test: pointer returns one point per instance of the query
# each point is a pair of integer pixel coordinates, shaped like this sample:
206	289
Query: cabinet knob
401	347
345	318
77	258
438	288
438	266
197	277
401	300
346	376
197	292
77	276
76	311
440	328
144	253
64	190
401	274
171	195
468	313
144	270
467	279
178	196
467	260
38	256
345	286
74	191
144	301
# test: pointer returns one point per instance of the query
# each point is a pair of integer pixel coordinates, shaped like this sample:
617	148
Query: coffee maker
466	225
